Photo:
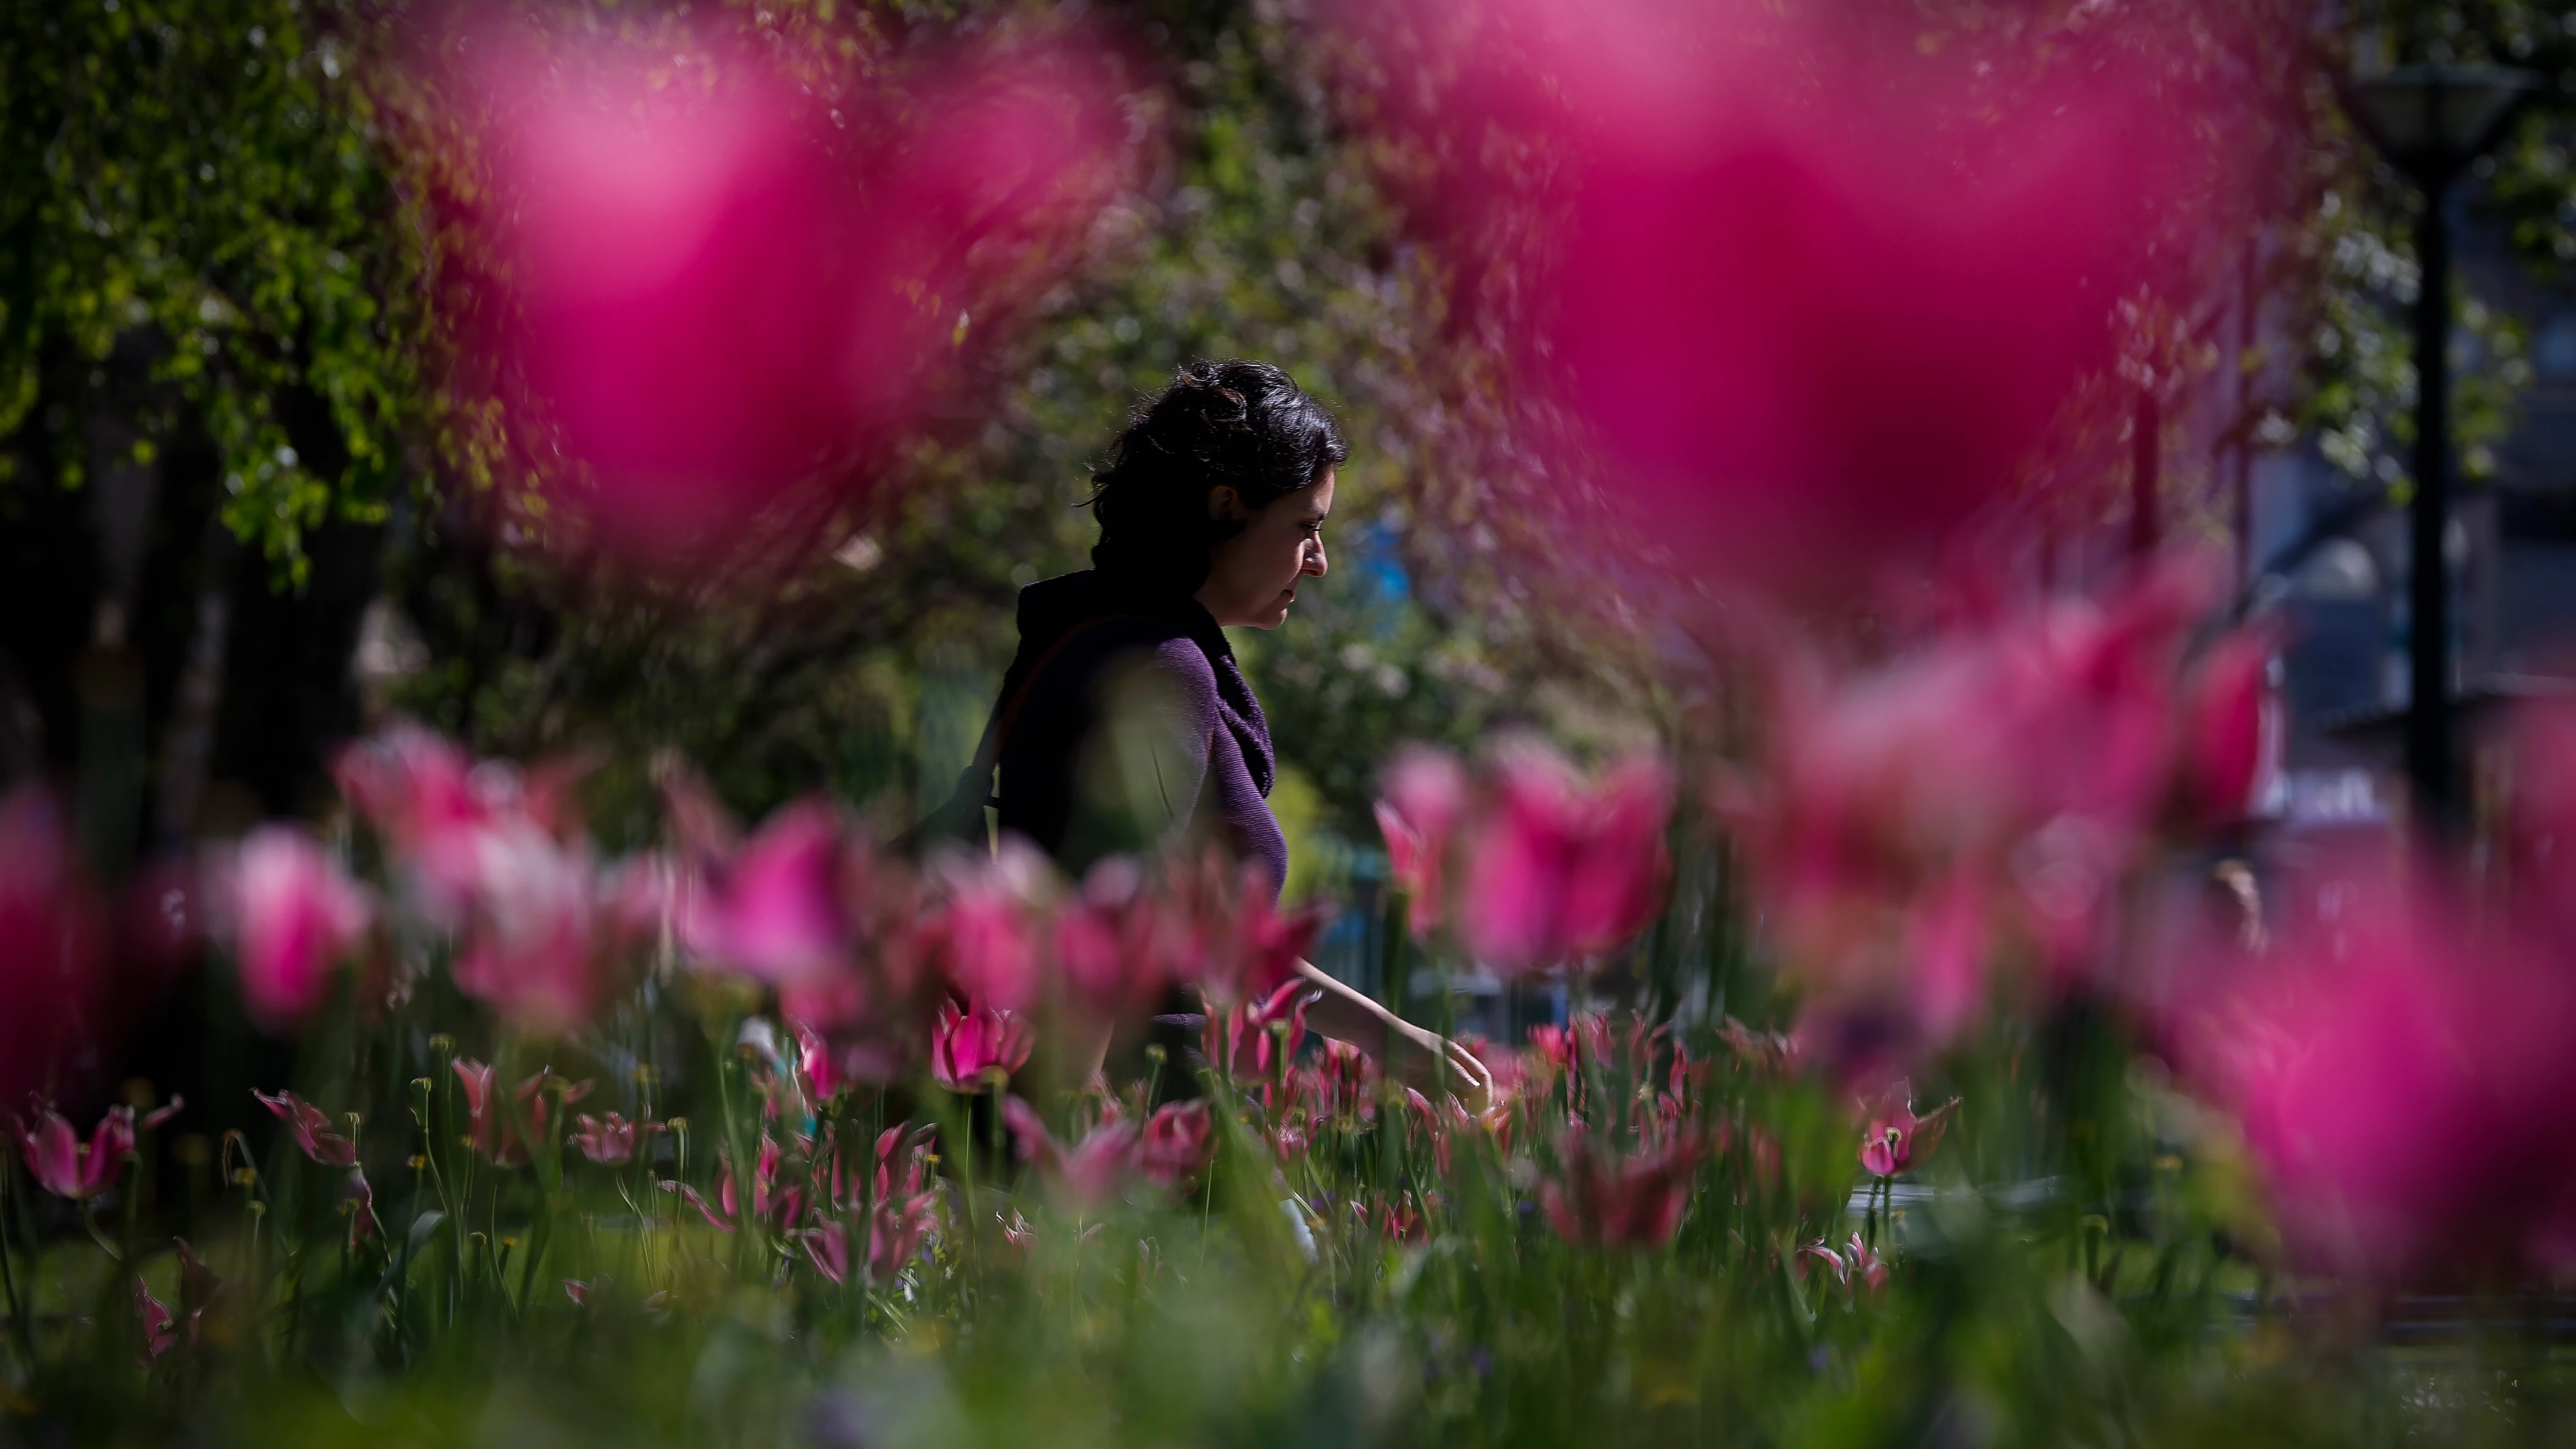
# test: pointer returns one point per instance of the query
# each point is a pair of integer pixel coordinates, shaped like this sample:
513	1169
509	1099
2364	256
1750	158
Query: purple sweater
1210	747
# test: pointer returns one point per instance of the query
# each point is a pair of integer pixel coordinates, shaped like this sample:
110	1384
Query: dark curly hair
1243	424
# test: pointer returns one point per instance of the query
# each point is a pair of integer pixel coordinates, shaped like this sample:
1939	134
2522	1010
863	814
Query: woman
1124	720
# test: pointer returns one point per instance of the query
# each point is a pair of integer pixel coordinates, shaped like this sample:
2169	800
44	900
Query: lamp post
2430	122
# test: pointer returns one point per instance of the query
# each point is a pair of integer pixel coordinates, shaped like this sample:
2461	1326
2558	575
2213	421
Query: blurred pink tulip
65	1166
1895	1138
774	909
1599	1199
160	1326
1085	1175
987	933
2228	733
1426	795
411	784
312	1129
1981	800
1832	1260
2397	1072
1241	947
732	288
490	1127
613	1141
970	1049
1559	871
1868	1267
295	913
1178	1143
1755	218
533	949
1116	944
50	950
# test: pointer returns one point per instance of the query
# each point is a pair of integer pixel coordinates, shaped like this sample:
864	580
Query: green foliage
204	184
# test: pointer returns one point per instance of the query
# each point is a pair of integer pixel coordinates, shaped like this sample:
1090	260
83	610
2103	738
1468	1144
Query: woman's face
1253	576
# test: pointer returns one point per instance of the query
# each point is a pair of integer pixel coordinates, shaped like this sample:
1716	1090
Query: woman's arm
1421	1059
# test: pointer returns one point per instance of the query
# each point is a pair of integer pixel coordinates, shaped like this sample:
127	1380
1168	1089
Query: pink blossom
1599	1199
160	1326
1895	1137
2395	1069
51	1001
312	1129
727	296
896	1232
1560	870
612	1141
1982	797
773	910
1242	947
431	802
987	934
65	1166
295	914
411	784
1832	1260
1117	946
1085	1175
1178	1143
1963	287
1869	1267
533	949
971	1048
780	1207
1426	795
491	1129
2228	733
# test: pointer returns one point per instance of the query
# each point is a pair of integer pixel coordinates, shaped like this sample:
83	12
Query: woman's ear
1224	502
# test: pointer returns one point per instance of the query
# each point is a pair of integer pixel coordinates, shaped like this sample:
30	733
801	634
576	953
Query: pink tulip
970	1049
412	785
1560	871
160	1326
312	1129
613	1141
1598	1199
1754	217
490	1128
295	914
1895	1137
1240	947
1116	944
987	935
533	926
1832	1260
1983	798
1426	795
728	296
2229	730
895	1235
51	1006
2397	1072
1090	1172
66	1167
1869	1267
1178	1143
774	909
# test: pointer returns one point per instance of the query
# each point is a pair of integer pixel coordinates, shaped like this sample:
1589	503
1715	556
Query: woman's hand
1421	1059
